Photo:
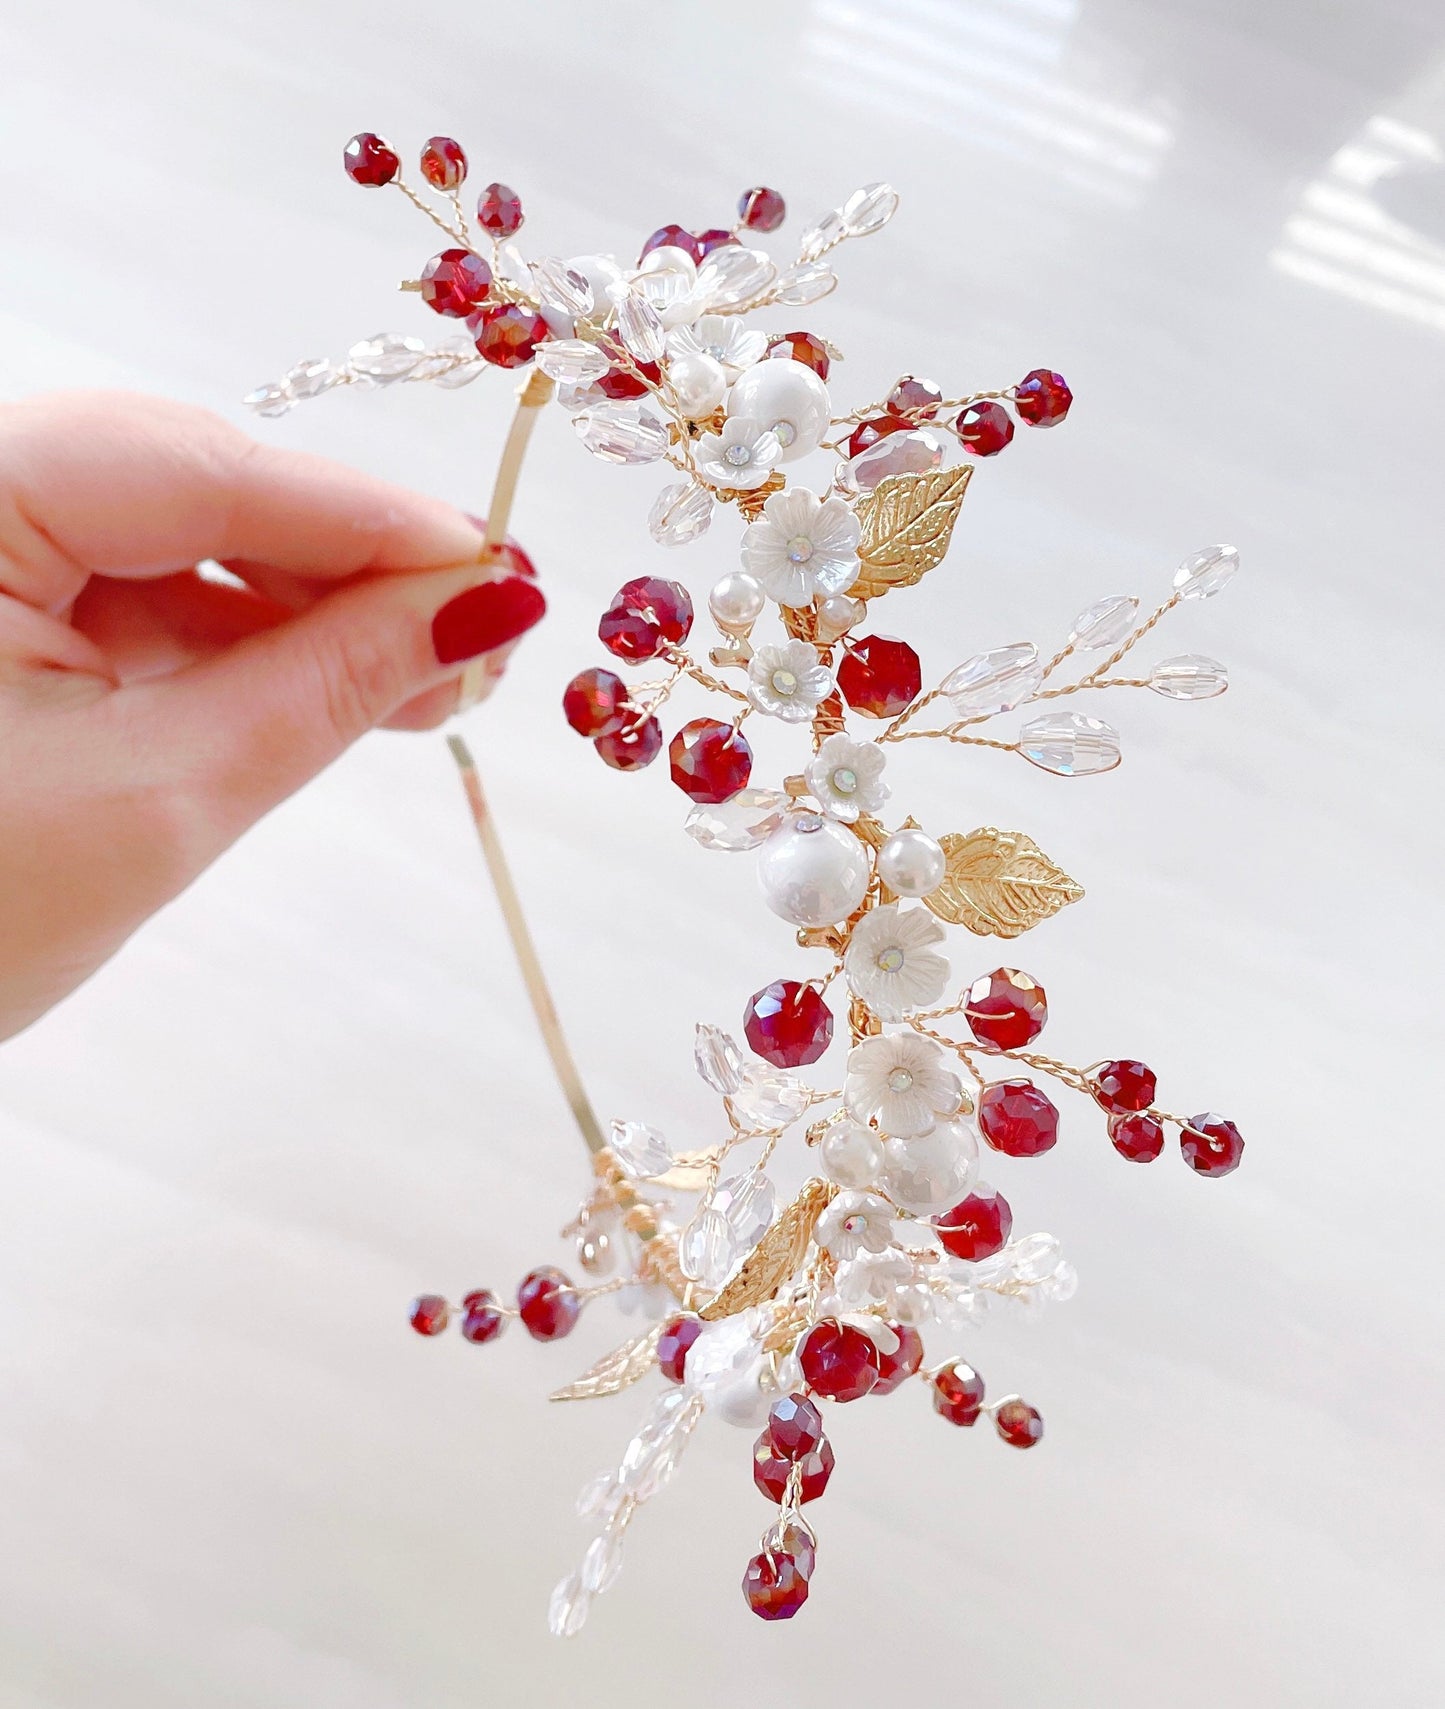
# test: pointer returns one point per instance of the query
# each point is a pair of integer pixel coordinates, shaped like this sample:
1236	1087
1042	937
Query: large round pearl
788	397
698	383
930	1174
736	603
812	871
911	863
851	1154
668	258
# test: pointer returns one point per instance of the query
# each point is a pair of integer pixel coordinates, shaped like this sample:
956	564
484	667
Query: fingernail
484	618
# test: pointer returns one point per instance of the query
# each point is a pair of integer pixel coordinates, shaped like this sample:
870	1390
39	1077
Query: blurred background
231	1475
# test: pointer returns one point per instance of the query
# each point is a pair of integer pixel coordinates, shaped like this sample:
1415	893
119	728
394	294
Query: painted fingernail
484	618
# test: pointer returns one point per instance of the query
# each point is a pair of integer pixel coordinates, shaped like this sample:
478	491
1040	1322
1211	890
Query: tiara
874	1275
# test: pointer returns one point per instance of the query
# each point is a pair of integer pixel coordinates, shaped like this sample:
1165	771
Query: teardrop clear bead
914	452
1191	676
734	274
1206	573
680	513
1070	745
641	328
822	236
602	1562
868	209
621	433
567	1611
571	361
641	1150
809	283
1105	624
745	821
770	1098
718	1060
272	399
559	287
995	681
1035	1256
386	358
309	379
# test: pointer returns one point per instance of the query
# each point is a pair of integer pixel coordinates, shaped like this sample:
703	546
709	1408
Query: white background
229	1474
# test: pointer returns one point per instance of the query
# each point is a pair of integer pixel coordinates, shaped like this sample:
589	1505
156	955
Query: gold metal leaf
999	883
907	524
616	1370
775	1257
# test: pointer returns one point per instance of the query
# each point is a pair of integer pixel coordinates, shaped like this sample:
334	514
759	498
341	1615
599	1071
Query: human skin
148	716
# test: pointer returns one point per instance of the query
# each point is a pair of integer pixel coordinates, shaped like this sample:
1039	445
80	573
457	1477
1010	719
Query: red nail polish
485	618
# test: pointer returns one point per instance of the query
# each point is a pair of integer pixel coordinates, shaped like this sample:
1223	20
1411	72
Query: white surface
231	1476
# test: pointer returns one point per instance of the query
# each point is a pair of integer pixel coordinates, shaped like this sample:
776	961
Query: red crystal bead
454	282
483	1318
1138	1137
958	1393
713	238
595	703
771	1469
762	209
632	747
671	237
795	1427
548	1304
1211	1145
429	1314
621	381
791	1537
902	1362
977	1226
839	1362
984	428
788	1024
672	1346
912	395
370	161
775	1587
1005	1009
711	761
645	615
499	211
443	163
880	676
508	335
868	433
1123	1087
1018	1423
802	347
1015	1117
1042	398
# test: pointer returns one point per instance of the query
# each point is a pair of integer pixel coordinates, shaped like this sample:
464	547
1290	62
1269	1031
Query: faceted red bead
879	676
1005	1009
791	1537
672	1346
984	428
1211	1145
370	161
1138	1137
671	237
958	1393
976	1227
443	163
1123	1087
621	381
912	394
429	1314
802	347
548	1304
595	703
646	615
868	433
771	1469
774	1586
1018	1423
902	1362
713	238
1042	398
839	1362
454	282
1015	1117
711	761
483	1318
508	335
499	211
795	1427
788	1024
762	209
632	747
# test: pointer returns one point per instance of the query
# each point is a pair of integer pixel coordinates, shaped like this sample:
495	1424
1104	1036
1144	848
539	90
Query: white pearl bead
912	864
836	614
668	258
698	383
781	393
813	872
736	603
851	1155
930	1174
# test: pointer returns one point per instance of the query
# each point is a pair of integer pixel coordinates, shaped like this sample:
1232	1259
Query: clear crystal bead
1206	573
559	287
640	327
596	1496
729	1222
734	274
1070	745
1064	1283
309	379
770	1098
572	398
621	433
1191	676
387	358
571	361
269	400
512	266
915	452
718	1060
461	374
1104	624
807	283
868	209
708	1248
1034	1257
822	236
995	681
602	1562
567	1611
680	513
641	1150
744	822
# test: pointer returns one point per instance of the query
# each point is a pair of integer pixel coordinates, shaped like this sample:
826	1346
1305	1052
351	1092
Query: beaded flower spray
761	1312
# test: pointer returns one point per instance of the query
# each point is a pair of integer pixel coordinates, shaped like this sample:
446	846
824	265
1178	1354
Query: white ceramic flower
889	963
742	455
873	1278
847	778
801	546
901	1081
787	681
724	338
854	1223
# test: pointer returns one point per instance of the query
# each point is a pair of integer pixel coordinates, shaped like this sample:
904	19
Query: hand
149	716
